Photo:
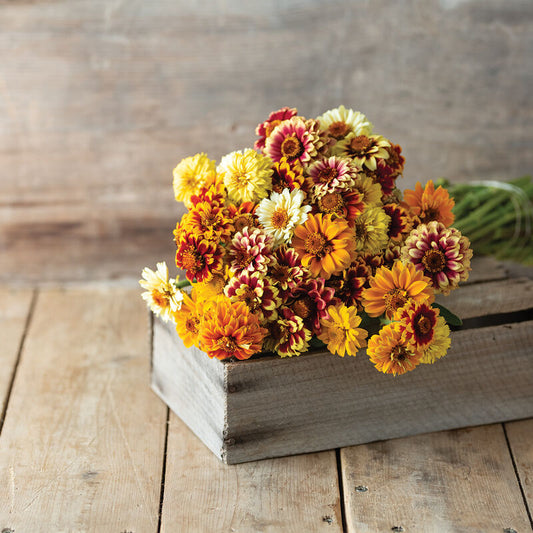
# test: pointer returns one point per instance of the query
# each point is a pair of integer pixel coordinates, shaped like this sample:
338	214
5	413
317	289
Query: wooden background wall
100	99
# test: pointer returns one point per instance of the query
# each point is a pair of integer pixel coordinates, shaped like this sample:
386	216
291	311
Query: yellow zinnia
371	230
440	343
191	174
340	331
188	320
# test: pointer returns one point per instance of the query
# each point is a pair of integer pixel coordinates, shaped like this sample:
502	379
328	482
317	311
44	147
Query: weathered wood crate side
271	407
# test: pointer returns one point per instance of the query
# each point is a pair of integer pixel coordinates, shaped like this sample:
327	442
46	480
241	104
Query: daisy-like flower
390	353
286	271
250	250
340	332
190	175
365	150
341	121
229	329
161	295
247	175
330	174
400	222
257	292
396	161
264	129
199	257
295	139
209	289
287	175
416	323
430	204
288	335
344	203
354	280
281	213
442	254
370	192
212	194
209	220
242	216
325	246
371	228
392	289
311	300
188	319
440	343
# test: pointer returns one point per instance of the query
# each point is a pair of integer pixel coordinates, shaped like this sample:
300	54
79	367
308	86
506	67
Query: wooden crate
271	407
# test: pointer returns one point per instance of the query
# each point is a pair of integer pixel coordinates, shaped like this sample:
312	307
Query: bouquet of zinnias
305	240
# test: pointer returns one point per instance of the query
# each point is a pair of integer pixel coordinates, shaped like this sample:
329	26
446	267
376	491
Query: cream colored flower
281	213
365	150
247	175
341	121
191	174
161	296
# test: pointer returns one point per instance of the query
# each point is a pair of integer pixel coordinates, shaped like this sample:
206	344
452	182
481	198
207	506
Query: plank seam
517	474
163	474
341	489
19	355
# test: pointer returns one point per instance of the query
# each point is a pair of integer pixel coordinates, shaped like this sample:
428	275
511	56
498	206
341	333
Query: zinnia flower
209	289
391	289
390	354
442	254
287	175
199	257
294	139
330	174
370	192
229	329
286	271
257	292
247	175
416	323
365	150
400	221
161	296
371	228
264	129
288	335
188	319
325	246
311	300
430	204
354	280
344	203
281	213
340	331
190	175
251	250
341	121
440	343
209	220
242	216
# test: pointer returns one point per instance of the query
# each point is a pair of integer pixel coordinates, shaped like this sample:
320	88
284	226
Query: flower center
337	335
248	296
423	325
304	307
327	174
434	261
279	218
395	299
209	219
399	353
191	324
338	129
242	221
243	258
331	202
359	145
315	244
269	128
159	298
227	344
281	274
190	260
291	147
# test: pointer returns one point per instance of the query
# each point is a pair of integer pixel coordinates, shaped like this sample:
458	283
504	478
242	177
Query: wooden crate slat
14	309
290	494
520	435
451	481
486	269
88	454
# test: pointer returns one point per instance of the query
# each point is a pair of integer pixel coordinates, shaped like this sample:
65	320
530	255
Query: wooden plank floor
85	445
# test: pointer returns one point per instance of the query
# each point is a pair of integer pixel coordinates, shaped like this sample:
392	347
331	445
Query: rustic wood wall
99	100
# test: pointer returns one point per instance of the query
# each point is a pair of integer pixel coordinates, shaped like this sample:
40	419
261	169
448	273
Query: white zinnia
355	121
161	296
281	213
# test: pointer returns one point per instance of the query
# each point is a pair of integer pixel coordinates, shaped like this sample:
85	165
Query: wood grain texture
520	435
448	482
291	494
99	101
14	310
83	439
488	269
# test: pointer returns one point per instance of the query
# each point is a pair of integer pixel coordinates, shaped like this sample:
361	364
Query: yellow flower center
291	147
227	344
337	335
359	145
327	174
331	203
279	218
190	260
315	244
338	129
434	261
159	298
395	299
191	324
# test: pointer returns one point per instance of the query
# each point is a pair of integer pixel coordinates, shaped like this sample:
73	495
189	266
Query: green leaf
316	343
451	319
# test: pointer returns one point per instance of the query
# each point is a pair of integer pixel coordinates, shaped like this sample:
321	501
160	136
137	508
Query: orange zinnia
188	320
325	246
430	204
229	329
391	289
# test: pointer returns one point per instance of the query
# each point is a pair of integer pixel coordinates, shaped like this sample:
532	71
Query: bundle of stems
496	216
